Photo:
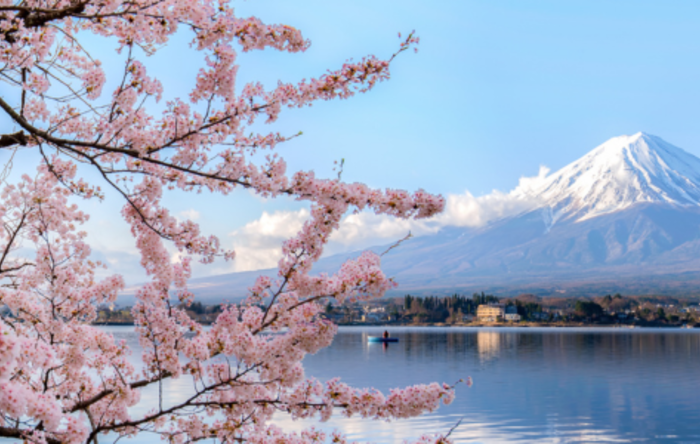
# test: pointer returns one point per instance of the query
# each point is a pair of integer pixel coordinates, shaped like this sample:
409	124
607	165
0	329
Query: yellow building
490	313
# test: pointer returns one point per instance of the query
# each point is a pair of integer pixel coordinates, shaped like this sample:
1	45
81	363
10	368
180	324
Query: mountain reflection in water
530	385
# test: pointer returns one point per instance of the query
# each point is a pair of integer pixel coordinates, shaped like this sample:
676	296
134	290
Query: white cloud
364	229
531	185
258	243
465	210
462	210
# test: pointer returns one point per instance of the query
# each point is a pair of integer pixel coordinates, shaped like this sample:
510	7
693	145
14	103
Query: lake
544	385
532	385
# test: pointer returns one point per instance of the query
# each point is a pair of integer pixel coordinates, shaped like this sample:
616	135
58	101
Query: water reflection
534	385
488	343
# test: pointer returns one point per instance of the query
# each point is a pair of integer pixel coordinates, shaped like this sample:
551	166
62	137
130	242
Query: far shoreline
474	325
528	325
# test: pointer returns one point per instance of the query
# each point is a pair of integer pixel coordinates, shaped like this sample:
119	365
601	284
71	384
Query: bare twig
399	242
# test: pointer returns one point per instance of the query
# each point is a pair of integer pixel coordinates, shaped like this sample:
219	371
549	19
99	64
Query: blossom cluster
64	380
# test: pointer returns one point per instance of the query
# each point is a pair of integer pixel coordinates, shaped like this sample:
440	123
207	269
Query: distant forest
444	309
461	309
615	308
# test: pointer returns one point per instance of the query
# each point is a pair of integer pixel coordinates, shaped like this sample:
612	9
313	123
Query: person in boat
385	335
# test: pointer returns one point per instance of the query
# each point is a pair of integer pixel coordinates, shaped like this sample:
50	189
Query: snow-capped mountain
622	172
624	217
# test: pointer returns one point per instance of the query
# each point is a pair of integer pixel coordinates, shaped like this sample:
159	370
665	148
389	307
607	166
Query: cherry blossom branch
24	434
248	365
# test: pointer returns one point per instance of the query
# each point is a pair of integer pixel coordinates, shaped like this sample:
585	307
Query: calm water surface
530	385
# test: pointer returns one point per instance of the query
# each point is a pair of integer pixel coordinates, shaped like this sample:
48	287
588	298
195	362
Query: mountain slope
622	172
645	240
626	216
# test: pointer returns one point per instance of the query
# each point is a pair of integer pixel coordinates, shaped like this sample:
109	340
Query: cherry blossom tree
63	380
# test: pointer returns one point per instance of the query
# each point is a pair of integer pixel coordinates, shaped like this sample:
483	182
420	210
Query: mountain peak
621	172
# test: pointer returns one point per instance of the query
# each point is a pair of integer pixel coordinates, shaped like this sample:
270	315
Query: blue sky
496	90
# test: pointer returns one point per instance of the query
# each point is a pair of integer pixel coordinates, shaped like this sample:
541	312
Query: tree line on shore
461	309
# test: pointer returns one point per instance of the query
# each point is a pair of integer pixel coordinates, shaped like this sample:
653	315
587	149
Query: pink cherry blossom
63	380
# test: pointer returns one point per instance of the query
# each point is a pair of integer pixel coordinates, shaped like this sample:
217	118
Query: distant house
374	317
511	314
490	312
374	314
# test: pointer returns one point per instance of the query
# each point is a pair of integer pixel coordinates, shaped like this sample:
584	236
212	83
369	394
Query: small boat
381	339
